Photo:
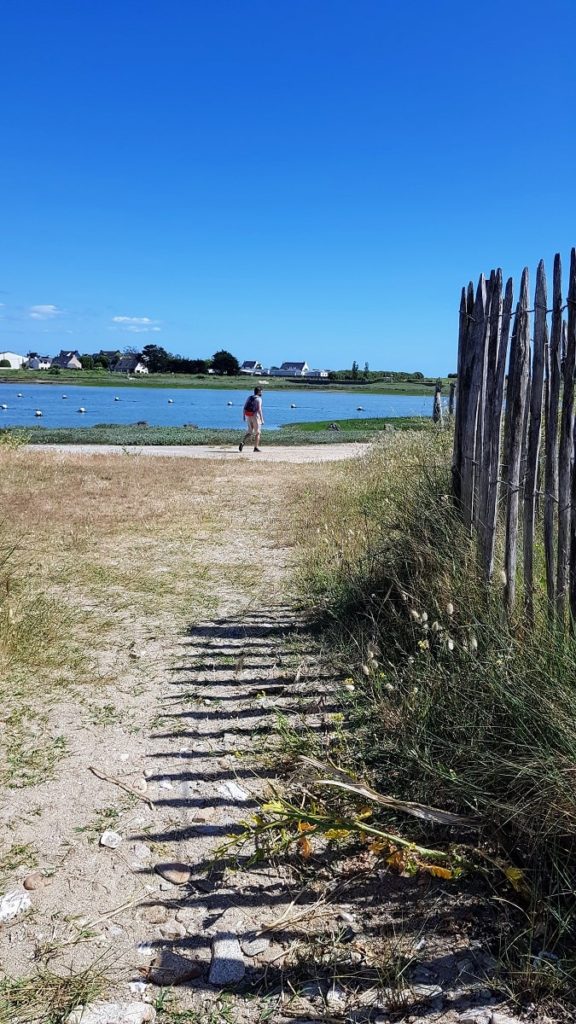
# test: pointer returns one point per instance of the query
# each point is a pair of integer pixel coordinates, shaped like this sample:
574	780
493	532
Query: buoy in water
359	408
38	412
64	396
81	409
170	401
293	406
116	399
19	395
3	406
229	403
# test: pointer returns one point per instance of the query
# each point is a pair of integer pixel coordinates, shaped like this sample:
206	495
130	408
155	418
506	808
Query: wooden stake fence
499	476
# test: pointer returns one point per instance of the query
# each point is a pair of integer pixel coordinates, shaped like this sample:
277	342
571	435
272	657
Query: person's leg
247	435
257	429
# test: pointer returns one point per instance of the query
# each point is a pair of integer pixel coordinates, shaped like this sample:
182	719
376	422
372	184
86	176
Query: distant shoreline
91	378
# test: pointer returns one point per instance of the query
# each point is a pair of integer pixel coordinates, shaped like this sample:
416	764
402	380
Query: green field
103	378
296	433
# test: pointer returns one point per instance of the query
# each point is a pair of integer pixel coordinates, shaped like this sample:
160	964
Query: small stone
253	945
140	785
232	790
148	772
335	996
345	916
173	930
37	880
141	851
174	872
426	991
475	1016
155	915
165	784
172	969
112	1013
503	1018
227	967
110	839
13	904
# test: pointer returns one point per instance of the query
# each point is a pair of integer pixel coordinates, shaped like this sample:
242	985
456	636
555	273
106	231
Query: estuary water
203	407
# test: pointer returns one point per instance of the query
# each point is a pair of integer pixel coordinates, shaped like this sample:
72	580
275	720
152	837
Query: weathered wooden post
534	430
566	452
553	367
495	394
466	305
515	424
451	399
437	405
472	371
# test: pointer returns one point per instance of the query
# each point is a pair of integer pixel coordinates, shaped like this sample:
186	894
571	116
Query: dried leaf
305	826
274	807
337	833
305	847
516	878
437	870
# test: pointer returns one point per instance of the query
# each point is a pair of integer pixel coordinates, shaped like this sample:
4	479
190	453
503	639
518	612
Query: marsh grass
447	702
47	997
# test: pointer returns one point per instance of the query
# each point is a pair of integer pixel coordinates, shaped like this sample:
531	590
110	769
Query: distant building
108	356
129	364
67	360
290	370
36	362
318	373
251	366
16	361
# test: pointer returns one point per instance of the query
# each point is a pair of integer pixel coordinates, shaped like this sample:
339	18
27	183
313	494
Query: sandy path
280	453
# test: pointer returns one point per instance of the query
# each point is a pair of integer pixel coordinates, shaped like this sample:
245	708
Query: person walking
254	419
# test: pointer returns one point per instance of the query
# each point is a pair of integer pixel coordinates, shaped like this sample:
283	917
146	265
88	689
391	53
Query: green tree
87	361
366	371
157	358
224	362
354	370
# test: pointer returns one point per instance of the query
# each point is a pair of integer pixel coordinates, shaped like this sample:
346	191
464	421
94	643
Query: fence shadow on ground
332	921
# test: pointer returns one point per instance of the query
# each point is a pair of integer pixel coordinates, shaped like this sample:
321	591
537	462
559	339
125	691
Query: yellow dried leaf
305	847
397	860
378	846
337	833
305	826
437	870
365	812
275	807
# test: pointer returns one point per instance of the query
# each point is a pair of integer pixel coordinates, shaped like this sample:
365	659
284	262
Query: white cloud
43	312
137	324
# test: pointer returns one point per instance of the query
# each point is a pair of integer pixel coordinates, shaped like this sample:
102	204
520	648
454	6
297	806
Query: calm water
203	407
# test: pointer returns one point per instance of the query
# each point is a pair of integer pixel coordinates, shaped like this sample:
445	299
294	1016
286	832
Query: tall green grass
452	706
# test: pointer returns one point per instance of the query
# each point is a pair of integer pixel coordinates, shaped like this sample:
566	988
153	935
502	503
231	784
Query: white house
67	360
129	364
36	362
16	361
290	370
318	373
251	366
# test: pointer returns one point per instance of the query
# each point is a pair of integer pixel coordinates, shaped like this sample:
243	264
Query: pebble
141	851
174	872
112	1013
13	904
148	772
110	839
252	946
234	791
172	969
37	880
173	930
165	784
502	1018
140	785
227	967
475	1016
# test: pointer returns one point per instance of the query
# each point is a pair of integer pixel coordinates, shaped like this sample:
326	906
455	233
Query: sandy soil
269	453
188	695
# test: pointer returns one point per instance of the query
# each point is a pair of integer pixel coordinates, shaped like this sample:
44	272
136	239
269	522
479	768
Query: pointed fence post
515	422
437	406
495	395
472	373
451	398
566	452
534	430
553	367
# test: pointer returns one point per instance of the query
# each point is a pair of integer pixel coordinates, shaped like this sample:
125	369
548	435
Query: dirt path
269	453
204	666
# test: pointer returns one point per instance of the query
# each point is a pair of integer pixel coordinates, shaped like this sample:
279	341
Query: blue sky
312	179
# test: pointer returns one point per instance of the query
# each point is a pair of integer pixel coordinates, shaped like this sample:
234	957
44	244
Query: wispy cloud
44	312
136	324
